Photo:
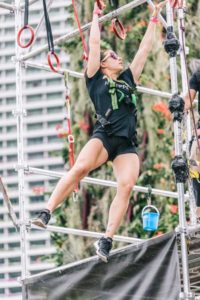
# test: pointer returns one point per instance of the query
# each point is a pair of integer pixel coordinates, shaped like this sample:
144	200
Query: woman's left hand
158	8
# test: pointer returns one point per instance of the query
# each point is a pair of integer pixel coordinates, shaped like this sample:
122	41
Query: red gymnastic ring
54	69
121	32
31	38
101	4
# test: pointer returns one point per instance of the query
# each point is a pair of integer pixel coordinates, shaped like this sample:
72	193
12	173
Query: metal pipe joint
180	169
176	107
171	44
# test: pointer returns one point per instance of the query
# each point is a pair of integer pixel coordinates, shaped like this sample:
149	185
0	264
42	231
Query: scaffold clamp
176	107
180	230
18	167
171	44
180	169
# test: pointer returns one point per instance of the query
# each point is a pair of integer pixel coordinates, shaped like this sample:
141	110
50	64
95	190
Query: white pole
86	233
7	6
140	89
180	184
181	25
102	182
144	90
19	114
47	68
74	33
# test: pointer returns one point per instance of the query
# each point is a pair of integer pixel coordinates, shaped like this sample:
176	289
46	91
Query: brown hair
102	54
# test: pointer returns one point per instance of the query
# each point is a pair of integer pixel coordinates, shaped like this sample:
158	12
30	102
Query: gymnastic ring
120	34
54	69
101	4
20	33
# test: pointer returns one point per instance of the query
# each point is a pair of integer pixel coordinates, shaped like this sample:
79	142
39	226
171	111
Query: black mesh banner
148	271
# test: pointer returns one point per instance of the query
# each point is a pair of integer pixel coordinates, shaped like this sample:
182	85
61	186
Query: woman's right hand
97	11
101	5
158	8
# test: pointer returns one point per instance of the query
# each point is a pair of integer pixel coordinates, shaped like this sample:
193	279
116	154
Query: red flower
163	109
173	208
158	166
160	131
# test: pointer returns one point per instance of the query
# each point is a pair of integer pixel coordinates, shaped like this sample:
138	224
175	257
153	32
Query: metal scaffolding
22	61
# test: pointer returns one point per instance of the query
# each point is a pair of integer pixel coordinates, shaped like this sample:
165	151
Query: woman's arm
146	44
187	99
94	44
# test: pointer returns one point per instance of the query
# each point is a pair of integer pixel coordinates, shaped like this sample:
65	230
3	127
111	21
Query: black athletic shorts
115	145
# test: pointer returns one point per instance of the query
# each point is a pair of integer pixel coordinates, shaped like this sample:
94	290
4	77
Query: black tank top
123	119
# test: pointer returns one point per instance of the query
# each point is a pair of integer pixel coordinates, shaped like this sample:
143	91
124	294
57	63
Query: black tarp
148	271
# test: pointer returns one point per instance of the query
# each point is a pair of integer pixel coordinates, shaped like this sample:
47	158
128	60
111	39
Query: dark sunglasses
112	55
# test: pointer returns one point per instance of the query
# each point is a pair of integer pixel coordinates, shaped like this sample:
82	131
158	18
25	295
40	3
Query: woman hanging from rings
111	90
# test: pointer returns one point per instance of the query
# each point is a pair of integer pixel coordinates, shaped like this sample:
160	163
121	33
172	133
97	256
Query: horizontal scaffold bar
193	229
87	233
102	182
7	6
140	89
85	27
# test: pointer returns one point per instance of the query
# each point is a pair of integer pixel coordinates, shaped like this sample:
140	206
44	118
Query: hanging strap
26	26
70	137
48	28
85	55
149	195
50	41
26	12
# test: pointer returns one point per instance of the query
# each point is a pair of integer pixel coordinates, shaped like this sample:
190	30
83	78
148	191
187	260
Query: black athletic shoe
42	219
103	247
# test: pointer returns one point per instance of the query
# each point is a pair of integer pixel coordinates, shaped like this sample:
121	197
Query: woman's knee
126	187
81	169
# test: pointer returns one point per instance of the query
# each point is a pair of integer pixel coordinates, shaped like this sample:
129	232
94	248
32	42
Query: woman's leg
126	169
91	156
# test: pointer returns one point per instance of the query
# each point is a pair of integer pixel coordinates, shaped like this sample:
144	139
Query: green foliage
156	150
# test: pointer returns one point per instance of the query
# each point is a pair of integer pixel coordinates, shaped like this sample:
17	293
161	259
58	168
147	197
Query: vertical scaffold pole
179	165
19	114
181	27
